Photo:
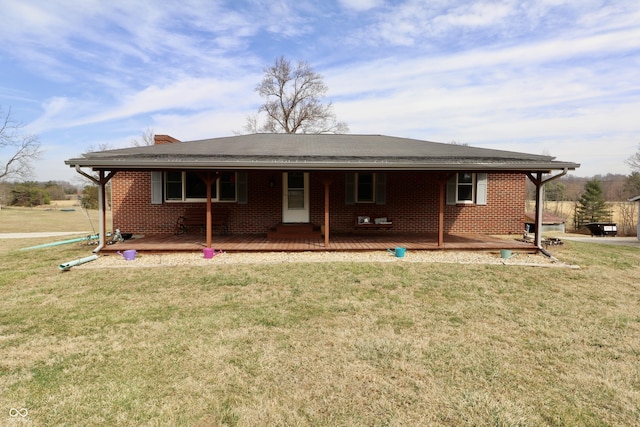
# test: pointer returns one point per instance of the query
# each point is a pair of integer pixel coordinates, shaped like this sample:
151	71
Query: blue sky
544	77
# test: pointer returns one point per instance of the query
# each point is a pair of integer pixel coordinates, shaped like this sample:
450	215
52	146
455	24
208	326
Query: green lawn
320	344
50	218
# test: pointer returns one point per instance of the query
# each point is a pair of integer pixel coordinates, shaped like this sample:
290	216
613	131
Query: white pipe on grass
67	265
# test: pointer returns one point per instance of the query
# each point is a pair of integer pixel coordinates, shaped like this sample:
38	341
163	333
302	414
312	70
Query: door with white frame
295	197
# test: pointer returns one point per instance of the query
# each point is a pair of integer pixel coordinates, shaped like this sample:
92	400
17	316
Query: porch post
539	182
539	205
209	227
101	182
327	183
209	179
208	212
102	205
443	186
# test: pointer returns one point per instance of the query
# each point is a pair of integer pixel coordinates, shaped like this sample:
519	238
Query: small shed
550	222
637	199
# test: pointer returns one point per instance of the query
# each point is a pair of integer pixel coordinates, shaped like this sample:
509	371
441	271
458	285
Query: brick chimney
164	139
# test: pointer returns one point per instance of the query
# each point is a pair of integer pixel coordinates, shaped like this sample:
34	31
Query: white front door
295	197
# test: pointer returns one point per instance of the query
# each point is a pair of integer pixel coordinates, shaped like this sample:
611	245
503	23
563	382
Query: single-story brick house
330	181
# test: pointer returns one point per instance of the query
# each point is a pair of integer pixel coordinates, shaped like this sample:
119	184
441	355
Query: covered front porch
338	242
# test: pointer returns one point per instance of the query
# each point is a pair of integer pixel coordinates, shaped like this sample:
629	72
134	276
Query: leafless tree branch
147	138
293	101
634	160
19	148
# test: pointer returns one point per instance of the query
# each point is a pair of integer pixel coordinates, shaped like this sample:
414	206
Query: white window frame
471	184
479	189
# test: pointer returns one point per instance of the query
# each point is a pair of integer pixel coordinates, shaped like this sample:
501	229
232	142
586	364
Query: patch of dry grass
49	218
624	214
322	343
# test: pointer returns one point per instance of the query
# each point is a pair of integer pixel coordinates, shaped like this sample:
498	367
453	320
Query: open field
378	344
624	214
54	217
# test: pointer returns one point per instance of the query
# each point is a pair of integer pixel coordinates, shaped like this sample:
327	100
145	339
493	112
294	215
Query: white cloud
535	75
548	95
202	125
480	14
360	5
189	94
67	39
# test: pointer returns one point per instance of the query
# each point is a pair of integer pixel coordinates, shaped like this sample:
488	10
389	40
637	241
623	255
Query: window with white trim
467	188
187	186
466	184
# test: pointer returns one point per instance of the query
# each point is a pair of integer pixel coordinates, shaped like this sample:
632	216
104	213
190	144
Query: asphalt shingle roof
315	152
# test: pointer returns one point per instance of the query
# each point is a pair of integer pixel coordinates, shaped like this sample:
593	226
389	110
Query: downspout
539	183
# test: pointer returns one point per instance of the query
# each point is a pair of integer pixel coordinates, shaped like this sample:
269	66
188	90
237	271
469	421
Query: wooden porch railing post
103	204
326	213
443	186
209	179
209	227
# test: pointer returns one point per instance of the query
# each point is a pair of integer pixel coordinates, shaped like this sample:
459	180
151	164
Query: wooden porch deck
338	242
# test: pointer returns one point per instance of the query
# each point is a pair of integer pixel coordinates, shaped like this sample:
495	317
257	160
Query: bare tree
147	138
251	125
103	146
634	160
293	101
627	218
21	148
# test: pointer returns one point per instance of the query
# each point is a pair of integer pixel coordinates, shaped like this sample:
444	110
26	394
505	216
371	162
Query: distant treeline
615	187
31	193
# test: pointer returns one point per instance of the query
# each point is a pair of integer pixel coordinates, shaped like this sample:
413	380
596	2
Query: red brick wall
164	139
132	209
412	203
506	195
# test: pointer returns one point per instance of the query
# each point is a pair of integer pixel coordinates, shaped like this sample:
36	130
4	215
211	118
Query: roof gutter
346	166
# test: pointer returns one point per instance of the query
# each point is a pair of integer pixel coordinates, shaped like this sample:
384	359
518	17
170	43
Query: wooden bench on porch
367	222
197	217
